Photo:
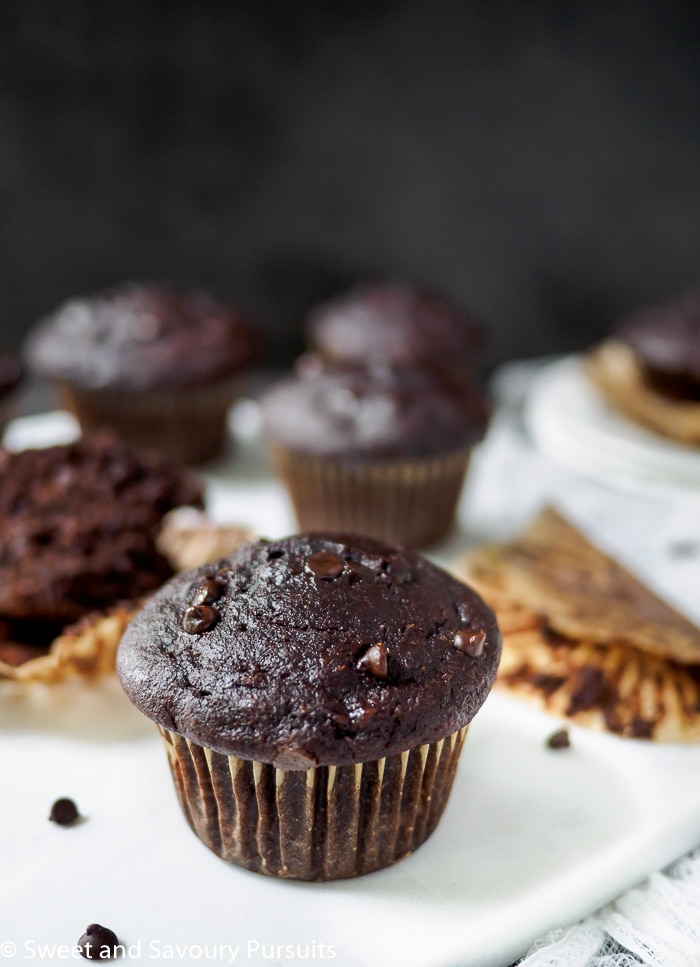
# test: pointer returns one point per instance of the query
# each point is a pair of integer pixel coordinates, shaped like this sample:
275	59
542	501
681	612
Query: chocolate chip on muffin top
313	650
79	524
141	337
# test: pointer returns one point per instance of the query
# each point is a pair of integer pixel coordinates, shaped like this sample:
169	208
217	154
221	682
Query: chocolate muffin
373	449
396	323
10	375
78	534
153	363
313	694
649	369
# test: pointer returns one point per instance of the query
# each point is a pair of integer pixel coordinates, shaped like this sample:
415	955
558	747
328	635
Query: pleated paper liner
411	502
325	823
187	425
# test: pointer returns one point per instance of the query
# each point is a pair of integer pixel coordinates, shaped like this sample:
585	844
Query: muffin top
10	371
78	525
393	322
666	340
320	649
140	337
375	411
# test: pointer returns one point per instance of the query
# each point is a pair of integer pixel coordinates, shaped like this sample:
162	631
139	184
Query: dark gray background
538	162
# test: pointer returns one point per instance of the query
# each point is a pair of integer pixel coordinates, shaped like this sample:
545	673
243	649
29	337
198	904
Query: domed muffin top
393	322
140	337
666	340
320	649
374	411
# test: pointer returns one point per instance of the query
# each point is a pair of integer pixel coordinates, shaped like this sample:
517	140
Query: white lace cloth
657	924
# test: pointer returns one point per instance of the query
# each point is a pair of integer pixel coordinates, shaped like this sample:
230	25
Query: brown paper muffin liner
187	426
410	502
326	823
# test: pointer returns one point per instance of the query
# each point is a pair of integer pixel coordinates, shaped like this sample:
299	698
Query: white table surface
531	839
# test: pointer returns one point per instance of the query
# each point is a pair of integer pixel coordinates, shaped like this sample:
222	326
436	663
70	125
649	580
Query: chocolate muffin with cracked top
393	322
374	449
155	363
78	535
313	694
10	376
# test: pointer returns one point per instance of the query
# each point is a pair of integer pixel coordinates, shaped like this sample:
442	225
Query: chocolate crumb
198	619
64	812
325	565
559	739
98	943
375	660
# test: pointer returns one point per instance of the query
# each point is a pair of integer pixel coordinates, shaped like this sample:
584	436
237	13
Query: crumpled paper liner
323	823
88	648
613	368
583	639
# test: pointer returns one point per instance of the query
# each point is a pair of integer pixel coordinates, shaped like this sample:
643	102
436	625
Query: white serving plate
574	425
532	838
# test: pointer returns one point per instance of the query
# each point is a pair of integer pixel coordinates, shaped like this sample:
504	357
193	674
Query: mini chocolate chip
470	642
375	660
275	554
559	740
325	565
64	812
98	942
207	592
198	619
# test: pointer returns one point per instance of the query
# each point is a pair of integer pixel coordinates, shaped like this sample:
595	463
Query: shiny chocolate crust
79	526
141	337
375	411
394	322
666	341
319	649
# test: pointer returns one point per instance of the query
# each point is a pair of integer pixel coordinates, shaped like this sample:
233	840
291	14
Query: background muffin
373	449
649	370
313	694
153	363
395	323
10	375
78	535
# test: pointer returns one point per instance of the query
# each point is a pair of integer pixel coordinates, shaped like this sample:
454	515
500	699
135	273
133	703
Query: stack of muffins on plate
649	369
374	431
